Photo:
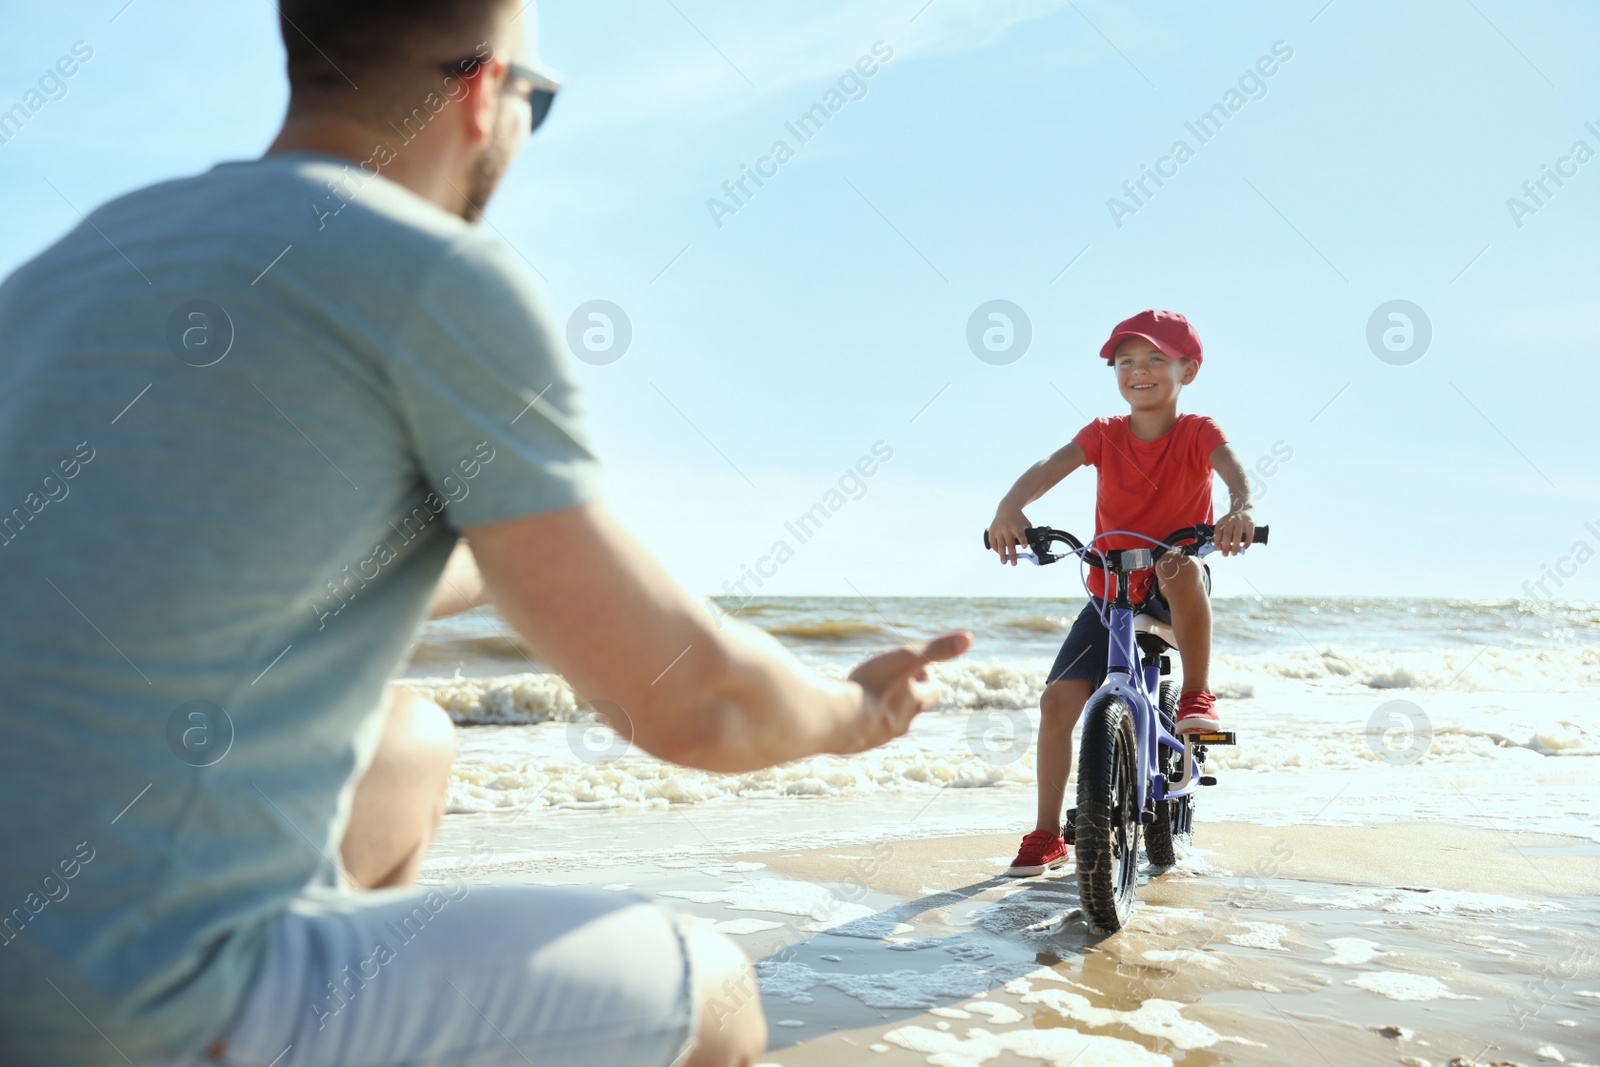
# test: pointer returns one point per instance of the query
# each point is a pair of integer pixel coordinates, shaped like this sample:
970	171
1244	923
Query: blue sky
830	311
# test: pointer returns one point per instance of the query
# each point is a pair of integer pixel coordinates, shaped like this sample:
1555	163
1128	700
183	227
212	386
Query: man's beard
489	169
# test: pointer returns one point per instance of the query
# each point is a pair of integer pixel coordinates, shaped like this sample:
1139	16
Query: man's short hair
371	56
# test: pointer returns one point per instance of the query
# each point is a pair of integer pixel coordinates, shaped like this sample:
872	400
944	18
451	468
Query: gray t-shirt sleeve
487	394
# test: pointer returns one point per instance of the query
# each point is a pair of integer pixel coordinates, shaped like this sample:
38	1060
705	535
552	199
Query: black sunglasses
540	96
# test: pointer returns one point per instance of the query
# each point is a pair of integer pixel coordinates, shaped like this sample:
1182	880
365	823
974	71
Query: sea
1347	710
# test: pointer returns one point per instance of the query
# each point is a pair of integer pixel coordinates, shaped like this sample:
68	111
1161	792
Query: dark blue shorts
1084	653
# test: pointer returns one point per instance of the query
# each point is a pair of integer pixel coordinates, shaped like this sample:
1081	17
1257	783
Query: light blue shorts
467	976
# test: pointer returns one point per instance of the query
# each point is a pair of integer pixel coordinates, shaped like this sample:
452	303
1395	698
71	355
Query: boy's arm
1237	528
1009	521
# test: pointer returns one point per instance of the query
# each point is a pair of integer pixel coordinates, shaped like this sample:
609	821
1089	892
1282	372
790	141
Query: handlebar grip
986	539
1259	537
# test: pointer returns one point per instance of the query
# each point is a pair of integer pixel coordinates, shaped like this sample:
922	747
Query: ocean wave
446	652
641	781
1451	744
1468	668
829	630
1039	624
548	766
636	780
510	700
534	698
969	685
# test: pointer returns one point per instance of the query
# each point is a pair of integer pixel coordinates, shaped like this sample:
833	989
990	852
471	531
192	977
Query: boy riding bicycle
1155	469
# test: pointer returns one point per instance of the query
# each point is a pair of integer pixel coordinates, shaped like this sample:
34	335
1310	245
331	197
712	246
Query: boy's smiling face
1148	378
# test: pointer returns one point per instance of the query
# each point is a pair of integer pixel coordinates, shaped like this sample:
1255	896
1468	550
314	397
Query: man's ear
483	97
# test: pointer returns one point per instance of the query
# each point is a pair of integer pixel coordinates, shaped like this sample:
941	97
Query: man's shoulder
349	227
294	236
331	208
363	213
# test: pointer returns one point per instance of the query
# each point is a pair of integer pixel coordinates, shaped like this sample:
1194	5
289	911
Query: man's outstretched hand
898	689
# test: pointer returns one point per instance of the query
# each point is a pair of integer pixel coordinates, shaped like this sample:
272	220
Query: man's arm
1005	530
601	611
1237	528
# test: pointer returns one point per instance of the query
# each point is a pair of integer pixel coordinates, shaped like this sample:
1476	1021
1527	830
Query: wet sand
1257	964
1395	944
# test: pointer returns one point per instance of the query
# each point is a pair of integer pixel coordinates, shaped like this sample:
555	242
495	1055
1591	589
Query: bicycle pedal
1219	737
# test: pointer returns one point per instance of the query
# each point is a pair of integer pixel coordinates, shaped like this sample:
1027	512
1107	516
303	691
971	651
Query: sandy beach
1400	864
1406	943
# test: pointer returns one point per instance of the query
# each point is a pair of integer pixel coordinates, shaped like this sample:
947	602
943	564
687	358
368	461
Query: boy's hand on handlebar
1006	534
898	689
1234	532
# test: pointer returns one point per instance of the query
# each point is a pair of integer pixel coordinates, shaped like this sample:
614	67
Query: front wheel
1107	847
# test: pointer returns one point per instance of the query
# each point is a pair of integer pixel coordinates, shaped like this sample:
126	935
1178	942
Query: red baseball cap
1167	330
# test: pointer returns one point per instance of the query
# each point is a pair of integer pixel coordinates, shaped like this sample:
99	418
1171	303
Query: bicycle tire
1174	819
1107	832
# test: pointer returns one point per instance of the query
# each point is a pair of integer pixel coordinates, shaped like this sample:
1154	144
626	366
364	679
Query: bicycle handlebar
1040	538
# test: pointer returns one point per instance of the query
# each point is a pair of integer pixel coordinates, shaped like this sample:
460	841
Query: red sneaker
1041	850
1195	714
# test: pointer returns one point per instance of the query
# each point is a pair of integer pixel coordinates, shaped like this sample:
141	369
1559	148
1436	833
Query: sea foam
970	685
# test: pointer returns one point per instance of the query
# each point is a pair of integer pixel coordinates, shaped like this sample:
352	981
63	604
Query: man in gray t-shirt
245	419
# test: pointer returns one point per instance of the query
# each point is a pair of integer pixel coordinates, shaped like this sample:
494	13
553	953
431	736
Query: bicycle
1134	774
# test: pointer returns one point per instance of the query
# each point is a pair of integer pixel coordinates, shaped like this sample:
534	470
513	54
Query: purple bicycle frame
1122	666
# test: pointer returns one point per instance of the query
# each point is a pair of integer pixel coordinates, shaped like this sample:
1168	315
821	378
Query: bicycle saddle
1149	624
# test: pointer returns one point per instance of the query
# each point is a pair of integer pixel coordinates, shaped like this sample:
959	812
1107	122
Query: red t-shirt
1149	487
